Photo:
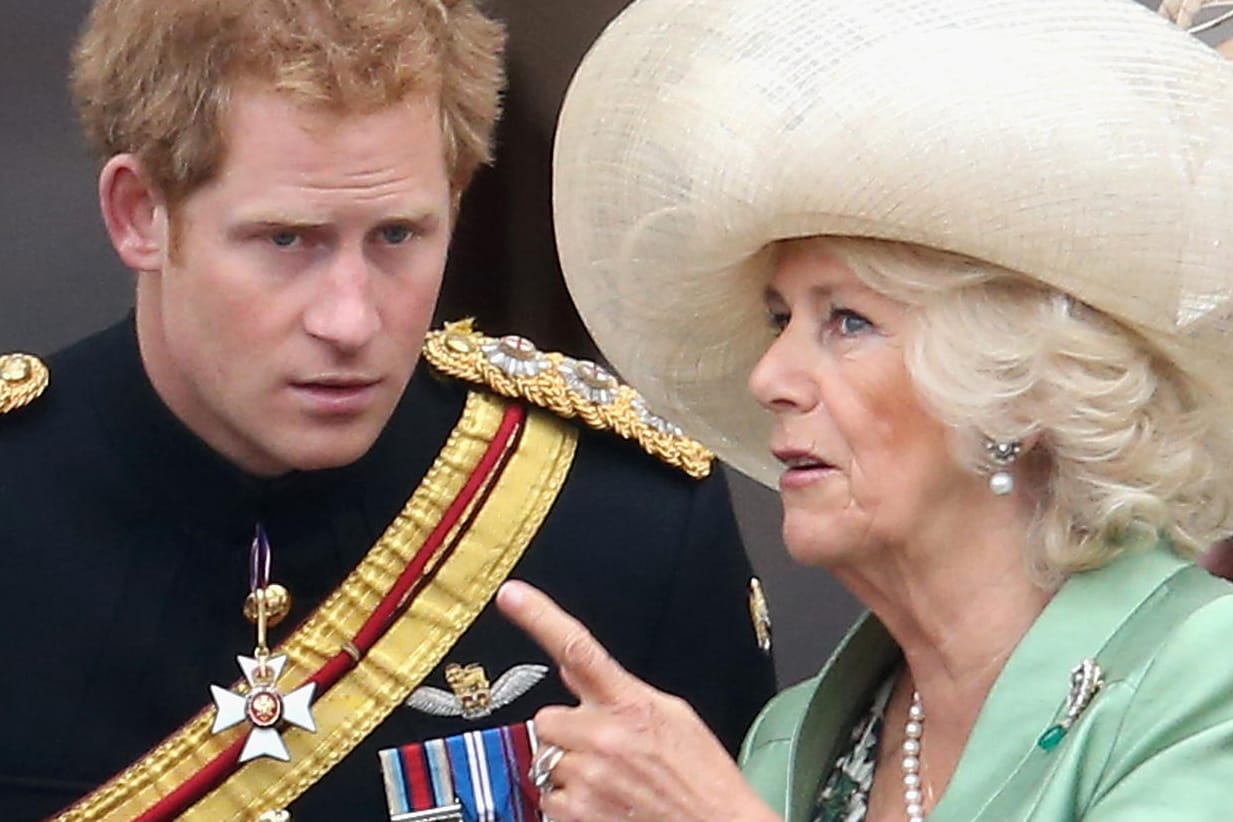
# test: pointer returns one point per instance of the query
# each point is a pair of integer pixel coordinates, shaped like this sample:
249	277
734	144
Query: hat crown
1087	144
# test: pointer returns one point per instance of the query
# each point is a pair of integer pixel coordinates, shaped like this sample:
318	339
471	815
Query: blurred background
60	280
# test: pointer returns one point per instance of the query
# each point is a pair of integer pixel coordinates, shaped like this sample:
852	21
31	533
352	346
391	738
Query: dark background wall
58	275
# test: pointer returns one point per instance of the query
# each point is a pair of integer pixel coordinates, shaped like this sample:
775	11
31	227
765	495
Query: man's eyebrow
260	221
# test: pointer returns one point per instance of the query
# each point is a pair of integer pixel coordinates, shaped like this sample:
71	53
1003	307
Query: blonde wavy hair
1123	442
153	77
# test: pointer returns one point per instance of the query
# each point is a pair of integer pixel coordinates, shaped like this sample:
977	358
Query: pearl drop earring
1003	454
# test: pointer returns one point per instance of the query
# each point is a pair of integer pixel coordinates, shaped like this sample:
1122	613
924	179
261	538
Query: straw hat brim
1087	144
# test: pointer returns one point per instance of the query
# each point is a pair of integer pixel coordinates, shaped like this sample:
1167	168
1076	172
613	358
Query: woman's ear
134	213
1031	441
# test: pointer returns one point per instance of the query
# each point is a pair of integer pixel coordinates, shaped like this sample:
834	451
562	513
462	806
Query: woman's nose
781	381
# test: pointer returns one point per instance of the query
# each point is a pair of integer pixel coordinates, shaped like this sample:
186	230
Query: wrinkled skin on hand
631	752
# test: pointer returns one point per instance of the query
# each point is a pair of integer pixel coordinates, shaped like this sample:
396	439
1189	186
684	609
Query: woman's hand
630	752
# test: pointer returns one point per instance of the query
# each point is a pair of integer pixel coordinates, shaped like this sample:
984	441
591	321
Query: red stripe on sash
390	607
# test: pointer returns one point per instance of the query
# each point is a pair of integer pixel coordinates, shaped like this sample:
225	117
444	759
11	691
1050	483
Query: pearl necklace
913	796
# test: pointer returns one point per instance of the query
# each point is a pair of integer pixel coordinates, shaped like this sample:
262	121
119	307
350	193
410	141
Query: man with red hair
250	538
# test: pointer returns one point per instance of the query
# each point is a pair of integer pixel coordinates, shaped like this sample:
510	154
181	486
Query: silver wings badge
473	697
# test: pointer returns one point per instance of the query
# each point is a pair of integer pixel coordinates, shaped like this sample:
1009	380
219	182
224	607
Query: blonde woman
957	278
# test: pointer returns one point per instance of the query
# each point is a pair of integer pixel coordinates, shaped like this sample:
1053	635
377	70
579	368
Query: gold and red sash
380	633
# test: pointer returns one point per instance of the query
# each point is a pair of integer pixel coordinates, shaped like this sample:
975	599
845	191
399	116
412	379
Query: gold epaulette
514	367
22	379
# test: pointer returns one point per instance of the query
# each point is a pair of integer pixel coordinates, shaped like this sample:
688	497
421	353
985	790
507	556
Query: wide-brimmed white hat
1087	144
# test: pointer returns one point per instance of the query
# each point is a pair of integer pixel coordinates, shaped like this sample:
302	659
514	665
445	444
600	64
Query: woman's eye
778	320
849	323
396	234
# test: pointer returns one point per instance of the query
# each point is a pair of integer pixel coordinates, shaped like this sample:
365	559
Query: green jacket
1155	743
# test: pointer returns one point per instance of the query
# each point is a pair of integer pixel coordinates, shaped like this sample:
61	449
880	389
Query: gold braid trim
22	379
514	367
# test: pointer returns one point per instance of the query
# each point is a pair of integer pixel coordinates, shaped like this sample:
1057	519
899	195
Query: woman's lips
801	468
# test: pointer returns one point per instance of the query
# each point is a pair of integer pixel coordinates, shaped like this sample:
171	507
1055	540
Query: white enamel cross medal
264	707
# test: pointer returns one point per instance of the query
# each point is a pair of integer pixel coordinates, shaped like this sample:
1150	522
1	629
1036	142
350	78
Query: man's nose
344	311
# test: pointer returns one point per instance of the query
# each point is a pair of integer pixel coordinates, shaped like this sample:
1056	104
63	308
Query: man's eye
396	234
284	239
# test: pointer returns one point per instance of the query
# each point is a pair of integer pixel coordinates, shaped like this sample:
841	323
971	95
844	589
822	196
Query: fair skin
872	492
632	752
284	326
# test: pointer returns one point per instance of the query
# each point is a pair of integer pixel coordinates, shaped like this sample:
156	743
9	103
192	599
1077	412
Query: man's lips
338	394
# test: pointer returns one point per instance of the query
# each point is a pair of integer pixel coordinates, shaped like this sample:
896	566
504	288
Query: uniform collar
178	475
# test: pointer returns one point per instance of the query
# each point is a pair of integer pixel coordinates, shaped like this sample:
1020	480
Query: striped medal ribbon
477	776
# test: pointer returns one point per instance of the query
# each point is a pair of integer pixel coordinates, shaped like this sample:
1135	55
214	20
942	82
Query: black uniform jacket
124	567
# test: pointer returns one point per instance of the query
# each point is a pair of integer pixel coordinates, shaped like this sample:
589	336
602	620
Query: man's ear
134	213
455	204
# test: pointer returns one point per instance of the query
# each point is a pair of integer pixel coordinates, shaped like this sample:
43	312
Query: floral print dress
844	796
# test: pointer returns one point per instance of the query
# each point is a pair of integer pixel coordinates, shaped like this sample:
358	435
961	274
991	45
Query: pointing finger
586	667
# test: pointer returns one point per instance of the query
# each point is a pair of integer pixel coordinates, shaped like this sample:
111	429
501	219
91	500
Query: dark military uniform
125	563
